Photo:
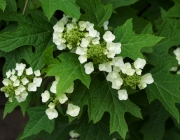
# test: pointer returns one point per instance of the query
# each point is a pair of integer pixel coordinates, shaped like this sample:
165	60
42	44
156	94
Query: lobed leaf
95	11
132	43
38	121
69	7
68	70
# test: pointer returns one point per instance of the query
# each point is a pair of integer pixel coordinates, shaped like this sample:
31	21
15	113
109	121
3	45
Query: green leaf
105	99
119	3
38	121
48	58
170	29
155	127
173	12
69	7
132	43
68	70
2	4
18	54
90	131
95	11
11	6
165	88
35	31
10	106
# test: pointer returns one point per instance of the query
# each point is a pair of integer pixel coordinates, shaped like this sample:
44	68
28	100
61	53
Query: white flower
61	46
105	67
17	91
21	97
139	63
13	72
116	83
111	54
115	47
53	87
89	26
29	71
70	89
32	87
82	58
145	79
21	88
13	78
105	25
138	71
126	69
62	98
108	36
81	51
59	26
24	81
37	81
82	25
16	83
6	82
73	110
69	26
112	75
89	68
51	113
95	41
45	96
37	73
118	61
8	73
73	134
177	52
116	69
174	69
20	67
122	94
84	42
93	33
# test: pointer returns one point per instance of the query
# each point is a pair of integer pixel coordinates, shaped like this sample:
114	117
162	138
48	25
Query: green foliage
69	7
154	128
165	88
119	3
18	54
2	4
132	43
30	32
68	70
38	121
95	11
148	29
104	99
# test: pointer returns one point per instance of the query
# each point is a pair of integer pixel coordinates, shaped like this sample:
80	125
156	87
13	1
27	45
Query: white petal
45	96
62	98
37	73
51	113
105	67
108	36
73	110
82	58
122	94
139	63
29	71
89	68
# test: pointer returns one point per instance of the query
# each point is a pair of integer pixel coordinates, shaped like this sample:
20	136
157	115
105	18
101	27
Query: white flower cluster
73	135
122	74
72	110
19	81
177	54
86	42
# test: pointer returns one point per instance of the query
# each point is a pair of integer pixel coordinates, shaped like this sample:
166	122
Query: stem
25	5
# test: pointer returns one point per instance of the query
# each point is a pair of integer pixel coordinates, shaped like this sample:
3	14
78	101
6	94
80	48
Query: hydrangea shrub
92	69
